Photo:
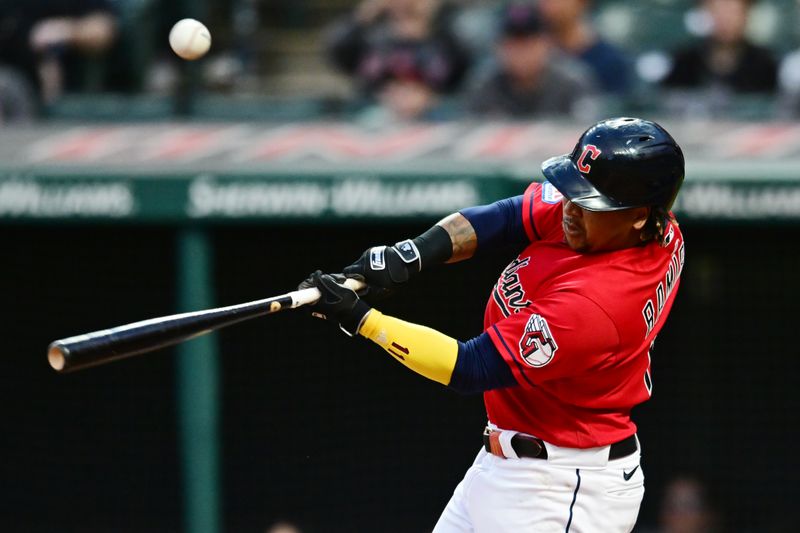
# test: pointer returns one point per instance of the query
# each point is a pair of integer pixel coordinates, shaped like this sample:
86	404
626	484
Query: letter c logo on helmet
593	152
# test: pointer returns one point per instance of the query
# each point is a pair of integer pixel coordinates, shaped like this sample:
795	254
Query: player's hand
385	268
338	303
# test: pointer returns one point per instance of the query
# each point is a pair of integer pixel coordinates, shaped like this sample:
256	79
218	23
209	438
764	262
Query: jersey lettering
589	150
537	345
650	313
648	378
508	292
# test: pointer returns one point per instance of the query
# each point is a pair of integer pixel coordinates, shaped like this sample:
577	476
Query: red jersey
576	329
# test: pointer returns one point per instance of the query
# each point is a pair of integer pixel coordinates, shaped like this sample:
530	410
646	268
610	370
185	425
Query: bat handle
310	296
354	284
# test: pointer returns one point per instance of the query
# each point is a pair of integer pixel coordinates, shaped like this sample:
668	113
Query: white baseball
190	39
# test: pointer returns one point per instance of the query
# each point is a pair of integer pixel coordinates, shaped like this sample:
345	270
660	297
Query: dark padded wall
91	451
332	433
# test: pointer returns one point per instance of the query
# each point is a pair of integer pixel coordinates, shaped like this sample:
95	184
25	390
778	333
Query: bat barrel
100	347
56	357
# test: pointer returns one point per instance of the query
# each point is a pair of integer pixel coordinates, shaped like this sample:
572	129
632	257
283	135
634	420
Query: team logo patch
550	195
537	345
407	250
590	152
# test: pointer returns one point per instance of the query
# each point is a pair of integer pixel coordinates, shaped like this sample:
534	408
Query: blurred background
134	184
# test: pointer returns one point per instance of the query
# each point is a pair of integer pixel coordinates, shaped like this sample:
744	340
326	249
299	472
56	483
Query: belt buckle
493	437
540	448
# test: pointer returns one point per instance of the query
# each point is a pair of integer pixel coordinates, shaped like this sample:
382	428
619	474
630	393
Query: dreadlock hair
656	224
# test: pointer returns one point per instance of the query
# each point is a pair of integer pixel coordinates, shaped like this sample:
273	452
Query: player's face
602	231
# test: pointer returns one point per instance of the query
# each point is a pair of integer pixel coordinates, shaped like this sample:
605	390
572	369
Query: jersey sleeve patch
537	347
550	195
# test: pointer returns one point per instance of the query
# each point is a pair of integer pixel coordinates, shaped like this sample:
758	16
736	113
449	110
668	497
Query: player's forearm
491	226
424	350
467	367
462	236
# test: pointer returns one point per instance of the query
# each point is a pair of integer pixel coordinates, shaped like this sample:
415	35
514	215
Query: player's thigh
609	499
455	517
522	496
529	495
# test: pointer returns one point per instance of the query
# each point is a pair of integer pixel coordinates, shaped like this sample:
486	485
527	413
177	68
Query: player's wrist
385	268
352	321
369	326
407	258
435	247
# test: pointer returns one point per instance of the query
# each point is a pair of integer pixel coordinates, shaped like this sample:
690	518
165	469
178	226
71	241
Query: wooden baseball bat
104	346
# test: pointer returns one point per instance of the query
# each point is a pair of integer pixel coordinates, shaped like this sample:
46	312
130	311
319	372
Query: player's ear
640	216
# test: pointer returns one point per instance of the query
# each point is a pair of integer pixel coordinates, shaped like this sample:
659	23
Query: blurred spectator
685	508
46	40
532	78
17	98
726	59
789	85
568	20
401	53
789	82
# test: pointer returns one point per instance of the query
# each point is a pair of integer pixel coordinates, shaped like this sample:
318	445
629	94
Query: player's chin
576	240
581	247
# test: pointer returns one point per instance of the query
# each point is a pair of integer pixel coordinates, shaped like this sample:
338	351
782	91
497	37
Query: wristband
434	246
351	323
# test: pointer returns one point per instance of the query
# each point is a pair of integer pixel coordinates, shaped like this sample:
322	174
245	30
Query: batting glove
337	303
385	268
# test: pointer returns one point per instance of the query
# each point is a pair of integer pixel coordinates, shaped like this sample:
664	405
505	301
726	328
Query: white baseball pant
572	491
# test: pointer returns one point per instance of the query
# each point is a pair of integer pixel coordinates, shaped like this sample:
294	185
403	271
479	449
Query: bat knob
55	356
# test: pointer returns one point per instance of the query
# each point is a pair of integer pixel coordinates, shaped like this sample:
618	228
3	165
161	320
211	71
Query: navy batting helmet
617	164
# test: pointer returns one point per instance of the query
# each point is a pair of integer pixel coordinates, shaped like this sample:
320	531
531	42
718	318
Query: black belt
531	447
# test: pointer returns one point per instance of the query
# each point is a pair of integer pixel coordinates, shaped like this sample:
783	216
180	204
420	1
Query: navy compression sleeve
480	367
497	225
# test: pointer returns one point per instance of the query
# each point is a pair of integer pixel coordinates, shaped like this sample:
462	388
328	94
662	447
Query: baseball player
568	328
